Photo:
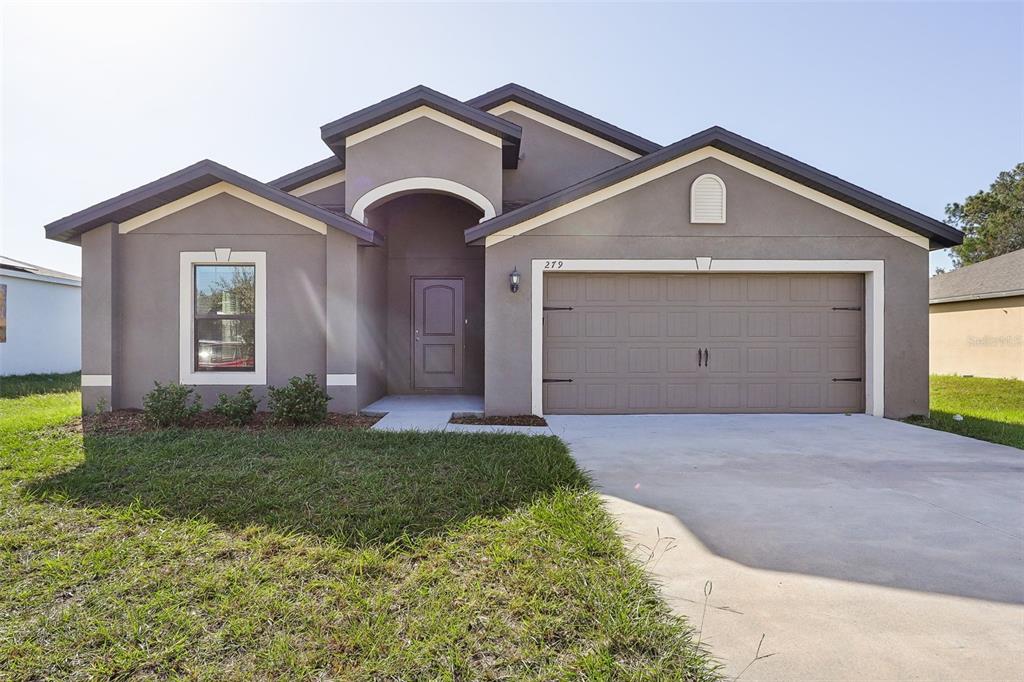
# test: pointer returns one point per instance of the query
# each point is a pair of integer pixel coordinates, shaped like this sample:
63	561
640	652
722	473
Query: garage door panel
681	359
775	343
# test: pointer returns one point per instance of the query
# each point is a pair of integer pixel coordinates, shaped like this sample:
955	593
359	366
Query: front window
224	318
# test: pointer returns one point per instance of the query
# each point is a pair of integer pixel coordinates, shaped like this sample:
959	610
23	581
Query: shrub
302	401
239	409
170	404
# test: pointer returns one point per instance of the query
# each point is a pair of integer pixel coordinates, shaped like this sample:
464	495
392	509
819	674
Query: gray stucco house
513	246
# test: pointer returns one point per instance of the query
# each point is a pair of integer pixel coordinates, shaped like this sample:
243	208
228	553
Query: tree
992	221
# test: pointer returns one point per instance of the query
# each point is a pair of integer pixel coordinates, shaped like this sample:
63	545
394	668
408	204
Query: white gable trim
688	160
422	111
422	183
323	183
212	191
562	127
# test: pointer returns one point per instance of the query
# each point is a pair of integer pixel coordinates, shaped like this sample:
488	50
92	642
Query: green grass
16	386
313	554
992	409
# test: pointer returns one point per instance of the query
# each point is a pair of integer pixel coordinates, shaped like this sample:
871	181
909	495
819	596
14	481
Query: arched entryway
430	289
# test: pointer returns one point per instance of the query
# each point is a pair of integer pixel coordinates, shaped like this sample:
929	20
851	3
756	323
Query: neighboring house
515	247
40	319
976	319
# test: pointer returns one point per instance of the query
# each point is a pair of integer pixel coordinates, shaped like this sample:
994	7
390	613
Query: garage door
647	343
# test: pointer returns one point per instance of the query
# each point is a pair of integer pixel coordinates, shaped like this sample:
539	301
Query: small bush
302	401
238	409
170	404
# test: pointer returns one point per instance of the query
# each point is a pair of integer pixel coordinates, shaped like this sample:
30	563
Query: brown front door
628	343
437	338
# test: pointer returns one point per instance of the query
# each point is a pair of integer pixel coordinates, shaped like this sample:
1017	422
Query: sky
921	103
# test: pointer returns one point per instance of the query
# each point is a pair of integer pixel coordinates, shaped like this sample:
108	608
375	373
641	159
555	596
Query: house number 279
553	264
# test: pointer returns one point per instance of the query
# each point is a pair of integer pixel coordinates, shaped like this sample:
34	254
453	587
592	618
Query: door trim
874	305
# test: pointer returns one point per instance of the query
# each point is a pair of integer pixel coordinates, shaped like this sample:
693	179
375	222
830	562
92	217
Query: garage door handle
707	356
698	357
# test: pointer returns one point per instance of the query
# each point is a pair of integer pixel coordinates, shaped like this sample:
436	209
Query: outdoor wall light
513	280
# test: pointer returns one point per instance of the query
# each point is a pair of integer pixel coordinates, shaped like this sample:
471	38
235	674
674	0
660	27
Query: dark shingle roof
335	132
187	181
566	114
993	278
12	265
307	174
939	234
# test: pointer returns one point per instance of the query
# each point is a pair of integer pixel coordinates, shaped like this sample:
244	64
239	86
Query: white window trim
874	306
186	373
693	189
562	127
688	160
444	185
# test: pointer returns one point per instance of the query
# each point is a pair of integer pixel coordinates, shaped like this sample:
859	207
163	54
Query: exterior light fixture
513	280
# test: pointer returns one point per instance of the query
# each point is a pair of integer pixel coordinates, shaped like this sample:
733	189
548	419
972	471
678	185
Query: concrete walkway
433	412
861	548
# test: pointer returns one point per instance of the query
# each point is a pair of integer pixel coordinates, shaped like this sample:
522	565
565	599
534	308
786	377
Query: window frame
187	371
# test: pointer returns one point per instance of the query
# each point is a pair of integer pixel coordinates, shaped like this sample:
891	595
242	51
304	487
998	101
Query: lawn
28	384
313	554
992	409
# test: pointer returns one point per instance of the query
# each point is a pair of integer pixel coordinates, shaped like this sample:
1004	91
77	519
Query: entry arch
421	184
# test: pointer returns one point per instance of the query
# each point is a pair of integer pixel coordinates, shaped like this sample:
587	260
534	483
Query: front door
437	339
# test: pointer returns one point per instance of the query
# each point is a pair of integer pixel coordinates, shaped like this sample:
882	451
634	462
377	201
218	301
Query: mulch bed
133	421
517	420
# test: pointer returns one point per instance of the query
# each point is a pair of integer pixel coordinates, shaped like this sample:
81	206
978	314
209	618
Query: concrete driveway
862	548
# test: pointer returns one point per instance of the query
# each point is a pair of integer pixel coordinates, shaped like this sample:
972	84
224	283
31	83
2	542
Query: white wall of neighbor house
43	327
982	338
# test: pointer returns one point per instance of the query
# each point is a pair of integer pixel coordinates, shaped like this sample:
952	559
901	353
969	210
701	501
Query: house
513	246
976	319
40	319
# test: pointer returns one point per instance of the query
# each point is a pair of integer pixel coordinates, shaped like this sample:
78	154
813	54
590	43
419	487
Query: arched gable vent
707	200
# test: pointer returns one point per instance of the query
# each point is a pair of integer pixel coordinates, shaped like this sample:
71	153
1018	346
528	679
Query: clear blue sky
922	103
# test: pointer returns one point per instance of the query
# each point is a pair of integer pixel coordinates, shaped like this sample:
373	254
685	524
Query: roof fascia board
938	234
307	174
563	127
200	176
680	162
326	181
212	191
566	114
335	132
419	112
978	297
49	279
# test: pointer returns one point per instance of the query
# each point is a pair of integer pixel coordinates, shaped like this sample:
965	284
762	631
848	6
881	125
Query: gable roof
938	233
335	132
993	278
308	174
19	268
513	92
187	181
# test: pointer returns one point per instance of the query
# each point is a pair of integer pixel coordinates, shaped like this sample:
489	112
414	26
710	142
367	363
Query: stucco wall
425	238
983	338
147	277
764	222
551	160
372	339
44	327
423	148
